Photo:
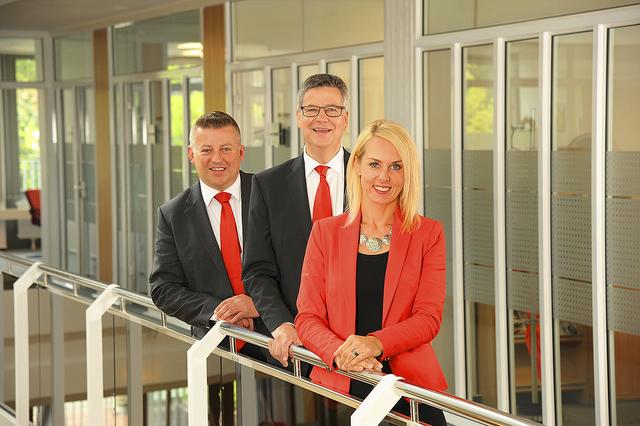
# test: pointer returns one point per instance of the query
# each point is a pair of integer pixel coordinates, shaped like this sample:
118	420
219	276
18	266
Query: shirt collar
208	192
336	163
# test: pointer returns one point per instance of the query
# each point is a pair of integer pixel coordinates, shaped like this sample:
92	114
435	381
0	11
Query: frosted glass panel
281	107
248	110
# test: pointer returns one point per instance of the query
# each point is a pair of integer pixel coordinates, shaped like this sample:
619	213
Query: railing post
198	402
95	390
21	339
378	403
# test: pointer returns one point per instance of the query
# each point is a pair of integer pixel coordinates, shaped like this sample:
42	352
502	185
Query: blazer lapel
348	259
198	218
299	198
397	254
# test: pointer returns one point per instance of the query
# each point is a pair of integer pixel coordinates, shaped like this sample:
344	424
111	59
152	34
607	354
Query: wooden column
103	154
213	59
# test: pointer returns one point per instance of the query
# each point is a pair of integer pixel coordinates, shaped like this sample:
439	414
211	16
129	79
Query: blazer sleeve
423	325
169	288
261	276
312	320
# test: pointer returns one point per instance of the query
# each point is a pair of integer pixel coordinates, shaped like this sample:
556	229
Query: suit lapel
348	259
196	213
245	191
345	204
299	198
397	254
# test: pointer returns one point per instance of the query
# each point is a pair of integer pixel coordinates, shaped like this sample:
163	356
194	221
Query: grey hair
324	80
212	120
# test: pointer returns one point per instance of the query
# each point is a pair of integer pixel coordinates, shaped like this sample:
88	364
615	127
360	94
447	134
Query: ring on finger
355	353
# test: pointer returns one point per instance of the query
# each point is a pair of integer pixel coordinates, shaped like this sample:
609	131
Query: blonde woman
373	280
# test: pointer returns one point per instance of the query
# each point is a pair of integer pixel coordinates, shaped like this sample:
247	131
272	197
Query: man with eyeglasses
287	199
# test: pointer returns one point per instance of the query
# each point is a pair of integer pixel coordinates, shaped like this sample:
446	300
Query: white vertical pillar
248	404
544	231
21	340
456	210
197	354
268	117
295	147
95	373
499	224
598	223
2	326
354	96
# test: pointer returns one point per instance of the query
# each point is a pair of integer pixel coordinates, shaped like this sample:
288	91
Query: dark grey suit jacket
277	235
189	278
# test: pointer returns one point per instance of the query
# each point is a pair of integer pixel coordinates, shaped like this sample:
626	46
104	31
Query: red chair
33	196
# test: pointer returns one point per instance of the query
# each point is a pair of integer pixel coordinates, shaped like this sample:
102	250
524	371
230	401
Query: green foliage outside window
28	126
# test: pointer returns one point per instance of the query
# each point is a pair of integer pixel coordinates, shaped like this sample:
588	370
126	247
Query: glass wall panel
89	233
179	140
71	198
156	139
477	218
264	28
521	184
281	107
20	59
196	109
248	110
165	43
343	70
622	211
73	57
571	226
437	181
371	90
444	16
136	190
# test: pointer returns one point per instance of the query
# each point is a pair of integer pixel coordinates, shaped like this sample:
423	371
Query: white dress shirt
335	179
214	208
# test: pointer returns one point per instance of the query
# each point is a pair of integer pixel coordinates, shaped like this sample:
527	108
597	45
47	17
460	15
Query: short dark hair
324	80
213	120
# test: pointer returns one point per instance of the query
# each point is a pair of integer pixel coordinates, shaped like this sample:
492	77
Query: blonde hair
409	197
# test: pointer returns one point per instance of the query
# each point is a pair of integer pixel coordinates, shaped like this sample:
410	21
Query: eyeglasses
330	111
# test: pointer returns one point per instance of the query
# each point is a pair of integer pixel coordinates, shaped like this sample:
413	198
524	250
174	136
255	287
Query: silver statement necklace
374	244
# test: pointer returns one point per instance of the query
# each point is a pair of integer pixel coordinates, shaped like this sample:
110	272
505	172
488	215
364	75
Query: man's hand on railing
236	308
245	323
283	337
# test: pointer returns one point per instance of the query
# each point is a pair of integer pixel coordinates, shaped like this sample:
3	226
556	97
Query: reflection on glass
248	110
165	43
442	16
73	57
437	180
137	189
343	70
371	90
521	183
20	59
178	140
196	109
622	209
281	107
571	225
477	218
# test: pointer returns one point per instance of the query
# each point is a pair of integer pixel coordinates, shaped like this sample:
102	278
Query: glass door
76	127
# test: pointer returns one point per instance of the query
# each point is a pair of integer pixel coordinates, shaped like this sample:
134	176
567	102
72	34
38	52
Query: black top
370	272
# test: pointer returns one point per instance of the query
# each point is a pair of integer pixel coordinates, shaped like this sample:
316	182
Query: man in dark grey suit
283	199
190	278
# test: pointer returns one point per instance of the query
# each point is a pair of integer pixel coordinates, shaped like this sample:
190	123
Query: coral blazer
414	293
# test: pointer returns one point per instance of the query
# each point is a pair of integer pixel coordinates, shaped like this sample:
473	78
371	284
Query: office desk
7	214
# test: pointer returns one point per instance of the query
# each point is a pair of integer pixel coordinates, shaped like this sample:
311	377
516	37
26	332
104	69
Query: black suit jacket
277	234
189	279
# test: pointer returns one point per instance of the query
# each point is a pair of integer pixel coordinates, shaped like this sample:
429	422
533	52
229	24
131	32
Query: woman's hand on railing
358	353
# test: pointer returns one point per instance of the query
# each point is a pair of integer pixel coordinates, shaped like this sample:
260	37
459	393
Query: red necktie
230	248
322	203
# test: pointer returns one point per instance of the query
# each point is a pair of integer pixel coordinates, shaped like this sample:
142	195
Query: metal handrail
71	286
